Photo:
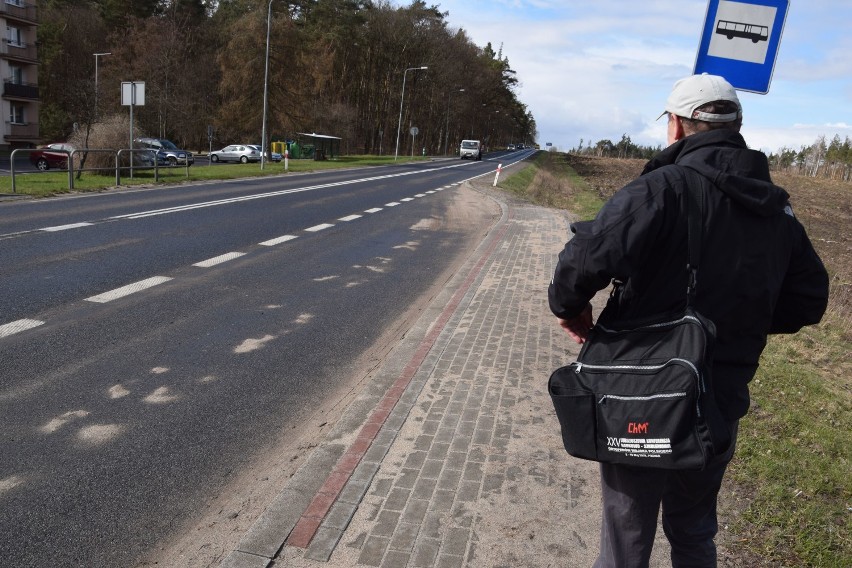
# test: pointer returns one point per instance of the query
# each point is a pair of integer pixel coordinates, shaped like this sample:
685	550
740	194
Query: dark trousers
632	497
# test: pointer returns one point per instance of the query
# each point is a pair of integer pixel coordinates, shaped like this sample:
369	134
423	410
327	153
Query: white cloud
596	70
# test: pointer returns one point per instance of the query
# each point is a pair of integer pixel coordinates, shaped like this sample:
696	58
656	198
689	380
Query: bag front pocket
652	430
575	408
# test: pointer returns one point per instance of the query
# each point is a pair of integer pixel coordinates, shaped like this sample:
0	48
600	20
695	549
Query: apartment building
19	69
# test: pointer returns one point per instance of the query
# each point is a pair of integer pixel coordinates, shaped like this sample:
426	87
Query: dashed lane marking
66	227
218	259
320	227
373	210
278	240
350	218
128	290
18	326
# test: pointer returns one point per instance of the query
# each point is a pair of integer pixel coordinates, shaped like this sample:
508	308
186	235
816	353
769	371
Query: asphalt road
153	342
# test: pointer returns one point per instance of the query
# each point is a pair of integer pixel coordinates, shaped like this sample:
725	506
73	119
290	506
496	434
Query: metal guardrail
82	151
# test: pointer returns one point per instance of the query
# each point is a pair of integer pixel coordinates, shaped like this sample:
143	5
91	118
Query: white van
470	149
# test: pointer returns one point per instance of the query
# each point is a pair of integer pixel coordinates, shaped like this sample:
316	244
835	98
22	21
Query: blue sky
596	69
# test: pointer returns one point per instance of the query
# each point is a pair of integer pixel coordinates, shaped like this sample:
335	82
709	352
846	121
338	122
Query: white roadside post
497	175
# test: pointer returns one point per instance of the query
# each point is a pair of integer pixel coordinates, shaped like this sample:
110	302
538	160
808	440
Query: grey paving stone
404	537
415	511
323	544
395	559
397	499
373	550
386	523
425	553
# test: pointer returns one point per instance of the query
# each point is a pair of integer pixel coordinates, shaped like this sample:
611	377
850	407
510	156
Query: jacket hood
723	157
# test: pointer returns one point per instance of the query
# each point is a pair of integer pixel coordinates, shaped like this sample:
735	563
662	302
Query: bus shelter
324	147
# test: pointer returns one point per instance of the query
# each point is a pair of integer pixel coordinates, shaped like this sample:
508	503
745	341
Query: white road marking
392	204
279	240
431	191
9	483
321	227
407	199
151	213
219	259
420	195
373	210
65	227
350	217
18	326
129	289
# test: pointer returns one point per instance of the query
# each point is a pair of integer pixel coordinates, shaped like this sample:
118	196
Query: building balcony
19	11
23	52
16	132
26	91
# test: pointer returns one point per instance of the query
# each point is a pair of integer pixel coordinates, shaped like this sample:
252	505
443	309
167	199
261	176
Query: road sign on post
740	41
133	94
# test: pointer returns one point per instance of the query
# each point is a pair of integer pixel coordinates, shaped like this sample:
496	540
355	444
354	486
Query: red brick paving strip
310	521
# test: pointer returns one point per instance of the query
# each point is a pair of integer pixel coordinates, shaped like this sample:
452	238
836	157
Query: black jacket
759	273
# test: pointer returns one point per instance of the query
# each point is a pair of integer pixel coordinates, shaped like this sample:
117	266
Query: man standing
759	274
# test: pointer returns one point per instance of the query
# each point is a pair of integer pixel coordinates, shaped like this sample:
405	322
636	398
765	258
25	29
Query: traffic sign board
740	41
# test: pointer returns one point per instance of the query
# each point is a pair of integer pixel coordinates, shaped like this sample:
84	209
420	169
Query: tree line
831	160
335	67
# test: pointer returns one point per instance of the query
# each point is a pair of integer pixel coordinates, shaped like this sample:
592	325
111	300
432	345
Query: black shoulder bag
642	394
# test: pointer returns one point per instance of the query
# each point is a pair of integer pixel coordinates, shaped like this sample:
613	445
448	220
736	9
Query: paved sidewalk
453	456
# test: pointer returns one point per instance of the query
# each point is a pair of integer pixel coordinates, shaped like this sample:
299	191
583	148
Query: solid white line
218	259
279	240
321	227
127	290
18	326
350	217
373	210
64	227
392	204
151	213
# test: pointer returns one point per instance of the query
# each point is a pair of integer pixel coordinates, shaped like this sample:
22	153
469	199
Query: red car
44	159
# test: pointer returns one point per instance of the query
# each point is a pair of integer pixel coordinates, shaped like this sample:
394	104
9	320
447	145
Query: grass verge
789	488
44	184
551	182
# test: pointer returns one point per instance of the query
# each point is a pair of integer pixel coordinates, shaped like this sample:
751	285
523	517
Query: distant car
273	156
44	159
236	153
168	151
510	147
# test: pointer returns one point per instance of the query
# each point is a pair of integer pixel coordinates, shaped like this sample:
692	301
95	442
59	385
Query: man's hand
578	327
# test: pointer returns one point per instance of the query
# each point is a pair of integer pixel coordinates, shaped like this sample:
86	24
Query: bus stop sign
740	41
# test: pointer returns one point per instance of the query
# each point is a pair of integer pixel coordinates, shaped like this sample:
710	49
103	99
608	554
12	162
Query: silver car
243	153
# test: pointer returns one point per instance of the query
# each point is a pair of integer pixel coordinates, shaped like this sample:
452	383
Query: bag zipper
578	367
649	397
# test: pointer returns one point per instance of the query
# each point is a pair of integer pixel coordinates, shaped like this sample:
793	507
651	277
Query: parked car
148	158
168	151
236	153
44	159
273	156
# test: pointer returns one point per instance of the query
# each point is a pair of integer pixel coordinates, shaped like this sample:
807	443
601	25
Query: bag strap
694	224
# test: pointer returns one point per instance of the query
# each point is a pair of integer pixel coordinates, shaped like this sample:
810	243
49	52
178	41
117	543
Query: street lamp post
401	100
97	110
447	133
265	88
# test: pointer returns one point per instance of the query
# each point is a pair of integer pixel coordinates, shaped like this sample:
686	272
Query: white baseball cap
697	90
